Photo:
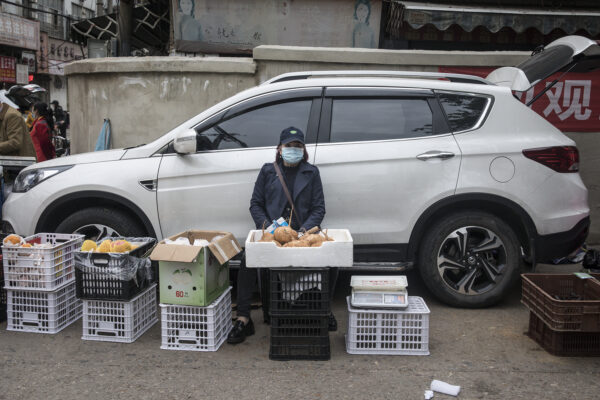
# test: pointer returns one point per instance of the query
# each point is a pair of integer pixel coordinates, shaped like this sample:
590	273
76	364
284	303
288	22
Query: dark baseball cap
291	134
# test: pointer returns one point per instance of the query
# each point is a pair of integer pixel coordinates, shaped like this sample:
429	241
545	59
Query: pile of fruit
15	241
108	246
284	236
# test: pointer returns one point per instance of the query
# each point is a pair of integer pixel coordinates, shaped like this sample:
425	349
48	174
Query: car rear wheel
470	259
99	222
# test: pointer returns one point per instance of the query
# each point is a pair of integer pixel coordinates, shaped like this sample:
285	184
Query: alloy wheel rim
96	231
472	260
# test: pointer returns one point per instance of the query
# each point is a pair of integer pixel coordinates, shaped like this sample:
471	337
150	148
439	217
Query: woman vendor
269	202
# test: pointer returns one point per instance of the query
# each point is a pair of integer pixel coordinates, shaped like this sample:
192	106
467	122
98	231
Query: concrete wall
146	97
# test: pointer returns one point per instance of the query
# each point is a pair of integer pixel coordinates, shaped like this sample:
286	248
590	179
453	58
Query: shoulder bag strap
286	191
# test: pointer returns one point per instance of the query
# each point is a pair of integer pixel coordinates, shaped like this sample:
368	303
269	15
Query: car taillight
559	158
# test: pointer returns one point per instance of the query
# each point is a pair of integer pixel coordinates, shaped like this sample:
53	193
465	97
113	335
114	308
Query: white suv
449	172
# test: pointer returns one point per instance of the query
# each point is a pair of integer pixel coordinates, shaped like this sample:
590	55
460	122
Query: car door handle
444	155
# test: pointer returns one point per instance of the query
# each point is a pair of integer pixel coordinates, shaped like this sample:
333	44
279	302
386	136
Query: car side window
463	111
259	127
380	119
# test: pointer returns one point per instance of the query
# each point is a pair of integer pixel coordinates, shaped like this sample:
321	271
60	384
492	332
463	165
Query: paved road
484	351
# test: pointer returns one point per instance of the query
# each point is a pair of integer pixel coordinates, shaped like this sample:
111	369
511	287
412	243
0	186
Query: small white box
338	253
119	321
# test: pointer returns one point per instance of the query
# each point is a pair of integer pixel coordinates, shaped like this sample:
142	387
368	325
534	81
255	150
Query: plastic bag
293	287
186	242
121	266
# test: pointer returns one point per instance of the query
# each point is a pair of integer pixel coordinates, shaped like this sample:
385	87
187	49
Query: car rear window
380	119
463	111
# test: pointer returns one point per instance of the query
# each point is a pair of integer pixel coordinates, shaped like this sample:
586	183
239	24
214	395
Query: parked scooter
62	146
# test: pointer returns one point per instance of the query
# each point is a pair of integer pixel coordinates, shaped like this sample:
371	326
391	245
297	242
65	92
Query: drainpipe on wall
125	27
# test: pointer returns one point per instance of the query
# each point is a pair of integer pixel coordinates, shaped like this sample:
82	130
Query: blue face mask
292	155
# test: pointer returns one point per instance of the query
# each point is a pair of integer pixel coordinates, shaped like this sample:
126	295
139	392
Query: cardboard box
338	253
194	275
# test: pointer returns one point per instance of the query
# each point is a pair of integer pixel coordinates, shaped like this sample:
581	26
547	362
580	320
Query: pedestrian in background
14	139
59	118
41	133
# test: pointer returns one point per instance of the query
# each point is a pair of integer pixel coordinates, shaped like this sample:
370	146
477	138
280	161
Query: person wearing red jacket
41	132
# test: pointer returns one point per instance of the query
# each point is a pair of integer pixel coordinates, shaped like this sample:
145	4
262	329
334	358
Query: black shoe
332	323
239	332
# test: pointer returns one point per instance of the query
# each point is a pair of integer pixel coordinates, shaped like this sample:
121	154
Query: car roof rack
291	76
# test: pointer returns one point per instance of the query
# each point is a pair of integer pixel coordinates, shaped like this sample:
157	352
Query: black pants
246	282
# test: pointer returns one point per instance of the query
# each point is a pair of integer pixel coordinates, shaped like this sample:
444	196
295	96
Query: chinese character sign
60	53
8	69
19	32
571	105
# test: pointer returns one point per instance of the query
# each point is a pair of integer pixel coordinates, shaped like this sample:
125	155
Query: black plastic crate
98	286
299	338
299	291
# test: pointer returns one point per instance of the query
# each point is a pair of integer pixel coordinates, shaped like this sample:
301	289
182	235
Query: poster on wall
8	69
572	105
28	58
22	74
238	26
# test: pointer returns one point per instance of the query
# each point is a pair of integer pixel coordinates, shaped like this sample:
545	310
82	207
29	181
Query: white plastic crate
42	312
38	268
196	328
119	321
394	332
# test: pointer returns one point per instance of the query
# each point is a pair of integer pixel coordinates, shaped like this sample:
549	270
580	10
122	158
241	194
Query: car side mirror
185	143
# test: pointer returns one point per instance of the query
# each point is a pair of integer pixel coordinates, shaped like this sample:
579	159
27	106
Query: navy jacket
269	200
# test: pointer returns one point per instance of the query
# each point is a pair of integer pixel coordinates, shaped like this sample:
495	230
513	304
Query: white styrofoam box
119	321
394	332
41	268
42	312
338	253
196	328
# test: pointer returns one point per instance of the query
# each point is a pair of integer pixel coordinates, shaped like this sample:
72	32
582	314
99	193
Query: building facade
36	43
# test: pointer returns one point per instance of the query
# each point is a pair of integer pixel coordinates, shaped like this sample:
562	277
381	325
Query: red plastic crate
574	344
540	292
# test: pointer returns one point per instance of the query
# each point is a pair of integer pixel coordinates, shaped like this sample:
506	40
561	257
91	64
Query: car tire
98	222
470	259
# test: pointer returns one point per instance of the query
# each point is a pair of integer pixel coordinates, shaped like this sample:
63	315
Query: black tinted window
379	119
256	128
463	111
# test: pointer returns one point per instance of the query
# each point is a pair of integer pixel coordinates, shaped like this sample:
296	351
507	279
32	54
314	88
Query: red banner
8	69
572	105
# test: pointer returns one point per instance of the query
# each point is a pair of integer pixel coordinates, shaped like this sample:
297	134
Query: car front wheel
100	222
470	259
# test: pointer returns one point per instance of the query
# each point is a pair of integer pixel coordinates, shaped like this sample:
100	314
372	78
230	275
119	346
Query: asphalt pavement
485	351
